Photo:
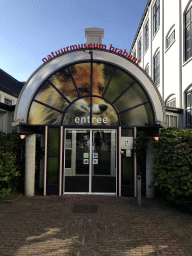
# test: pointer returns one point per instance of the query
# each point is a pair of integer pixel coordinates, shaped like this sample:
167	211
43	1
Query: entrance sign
91	46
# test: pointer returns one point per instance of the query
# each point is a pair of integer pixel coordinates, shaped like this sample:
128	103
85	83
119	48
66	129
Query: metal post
139	190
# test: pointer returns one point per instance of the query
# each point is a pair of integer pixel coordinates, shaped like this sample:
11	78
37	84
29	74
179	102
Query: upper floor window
140	49
134	53
156	63
171	103
170	38
156	16
147	68
8	102
188	34
146	35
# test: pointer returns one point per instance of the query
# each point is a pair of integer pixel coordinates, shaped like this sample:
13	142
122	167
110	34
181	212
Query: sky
30	30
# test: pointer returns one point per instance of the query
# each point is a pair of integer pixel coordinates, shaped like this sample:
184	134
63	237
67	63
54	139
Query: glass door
103	171
90	161
76	159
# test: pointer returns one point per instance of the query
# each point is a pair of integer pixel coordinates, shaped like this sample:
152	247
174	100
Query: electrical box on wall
126	142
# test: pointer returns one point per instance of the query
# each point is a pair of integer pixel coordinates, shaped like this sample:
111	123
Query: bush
10	163
172	170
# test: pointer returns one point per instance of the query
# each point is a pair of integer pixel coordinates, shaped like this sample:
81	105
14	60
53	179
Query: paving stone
116	226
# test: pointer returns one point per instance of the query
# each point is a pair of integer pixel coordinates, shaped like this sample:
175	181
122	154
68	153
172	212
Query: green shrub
9	163
172	170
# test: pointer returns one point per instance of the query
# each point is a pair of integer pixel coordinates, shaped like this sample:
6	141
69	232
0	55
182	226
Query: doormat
84	208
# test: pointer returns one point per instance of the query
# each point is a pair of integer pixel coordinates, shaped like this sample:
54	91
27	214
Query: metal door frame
90	161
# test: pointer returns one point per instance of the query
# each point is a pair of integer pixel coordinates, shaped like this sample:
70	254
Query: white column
30	146
149	164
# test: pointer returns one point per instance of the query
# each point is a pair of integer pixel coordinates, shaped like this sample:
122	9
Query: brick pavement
48	226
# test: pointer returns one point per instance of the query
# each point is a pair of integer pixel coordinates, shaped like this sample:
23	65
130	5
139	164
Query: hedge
172	170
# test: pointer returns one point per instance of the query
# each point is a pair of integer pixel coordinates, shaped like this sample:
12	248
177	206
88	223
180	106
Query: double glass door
89	161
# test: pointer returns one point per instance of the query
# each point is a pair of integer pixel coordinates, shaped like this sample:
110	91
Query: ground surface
92	225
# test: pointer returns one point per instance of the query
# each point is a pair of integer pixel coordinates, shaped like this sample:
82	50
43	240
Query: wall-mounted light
156	138
22	137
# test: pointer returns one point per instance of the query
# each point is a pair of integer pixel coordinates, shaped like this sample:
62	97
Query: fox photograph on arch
68	97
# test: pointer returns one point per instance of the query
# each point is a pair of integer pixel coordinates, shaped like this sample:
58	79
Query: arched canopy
90	87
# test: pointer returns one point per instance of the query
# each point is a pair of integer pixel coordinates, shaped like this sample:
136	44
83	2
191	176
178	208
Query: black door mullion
91	85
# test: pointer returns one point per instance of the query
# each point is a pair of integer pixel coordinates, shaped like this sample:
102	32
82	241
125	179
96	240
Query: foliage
172	170
9	163
12	163
140	146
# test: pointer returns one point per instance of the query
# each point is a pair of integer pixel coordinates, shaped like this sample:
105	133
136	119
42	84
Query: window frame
140	48
146	35
156	16
168	118
147	68
8	100
156	65
171	101
188	25
168	37
189	108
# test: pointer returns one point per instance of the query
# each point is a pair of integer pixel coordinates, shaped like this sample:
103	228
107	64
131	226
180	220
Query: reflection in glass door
103	171
90	161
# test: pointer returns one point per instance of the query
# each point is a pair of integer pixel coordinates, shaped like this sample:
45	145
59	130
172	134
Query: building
87	103
163	42
9	92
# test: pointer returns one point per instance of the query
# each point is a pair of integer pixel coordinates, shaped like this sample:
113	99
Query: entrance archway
92	89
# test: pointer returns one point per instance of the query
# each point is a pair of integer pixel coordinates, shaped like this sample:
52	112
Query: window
146	35
8	102
156	16
171	120
140	49
156	61
147	68
171	103
134	53
170	38
189	109
188	34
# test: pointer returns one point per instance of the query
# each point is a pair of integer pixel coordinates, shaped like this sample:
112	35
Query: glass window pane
82	77
143	113
167	120
40	114
188	17
53	140
103	113
175	121
48	95
188	100
134	96
63	82
171	121
53	167
119	83
68	158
